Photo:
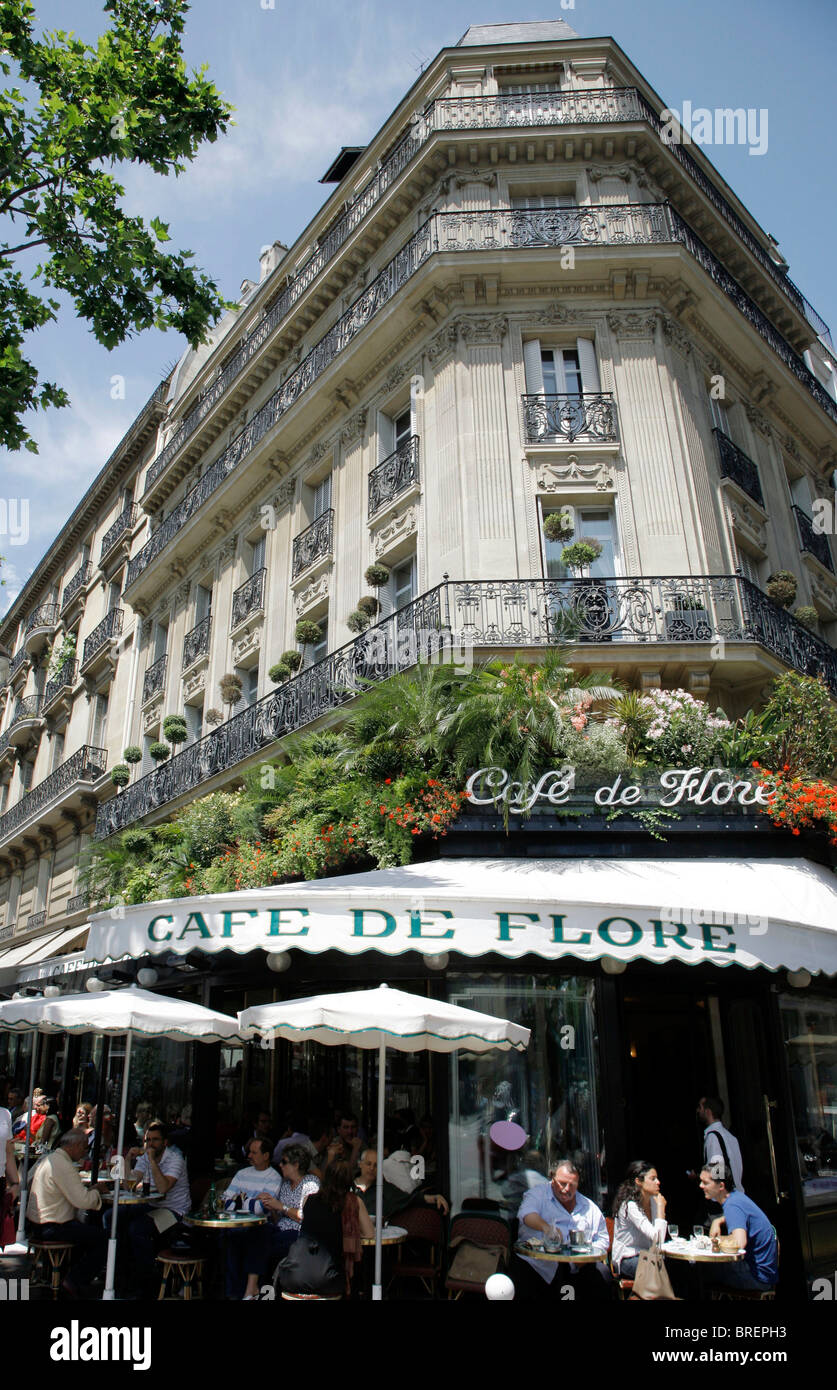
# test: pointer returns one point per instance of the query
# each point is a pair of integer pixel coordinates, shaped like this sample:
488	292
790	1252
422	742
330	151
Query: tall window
258	550
810	1032
161	640
720	414
591	523
203	602
402	428
561	371
99	730
322	497
57	752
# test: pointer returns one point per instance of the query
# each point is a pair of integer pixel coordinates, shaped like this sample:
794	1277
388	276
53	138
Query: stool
57	1253
312	1297
188	1268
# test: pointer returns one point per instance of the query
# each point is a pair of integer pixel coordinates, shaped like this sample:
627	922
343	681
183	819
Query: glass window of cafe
809	1027
550	1090
161	1076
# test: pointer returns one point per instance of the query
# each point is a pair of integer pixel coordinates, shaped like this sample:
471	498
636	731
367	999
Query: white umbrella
384	1018
112	1012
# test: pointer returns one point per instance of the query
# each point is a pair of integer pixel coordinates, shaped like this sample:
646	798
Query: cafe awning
779	913
36	949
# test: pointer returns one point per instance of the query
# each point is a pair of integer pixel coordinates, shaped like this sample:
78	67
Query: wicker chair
483	1231
425	1227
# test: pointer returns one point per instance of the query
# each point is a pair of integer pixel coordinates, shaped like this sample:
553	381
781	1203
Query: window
114	595
57	752
99	729
810	1032
591	523
534	201
319	649
251	686
749	566
203	602
26	771
800	491
403	581
161	640
194	721
561	371
322	498
720	415
258	548
402	428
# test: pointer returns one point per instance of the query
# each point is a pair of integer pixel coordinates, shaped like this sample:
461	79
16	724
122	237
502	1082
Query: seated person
639	1211
248	1254
346	1144
398	1194
558	1204
56	1193
165	1169
748	1230
298	1183
81	1119
335	1219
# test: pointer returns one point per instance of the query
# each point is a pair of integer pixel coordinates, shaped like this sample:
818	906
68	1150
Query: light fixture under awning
780	913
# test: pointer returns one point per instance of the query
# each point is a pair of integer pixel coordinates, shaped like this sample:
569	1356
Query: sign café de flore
398	910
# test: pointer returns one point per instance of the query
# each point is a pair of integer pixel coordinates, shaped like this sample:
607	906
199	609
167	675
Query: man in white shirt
55	1195
720	1148
559	1204
151	1228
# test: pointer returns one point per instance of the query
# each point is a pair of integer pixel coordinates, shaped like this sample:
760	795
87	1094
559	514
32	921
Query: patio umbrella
134	1012
383	1018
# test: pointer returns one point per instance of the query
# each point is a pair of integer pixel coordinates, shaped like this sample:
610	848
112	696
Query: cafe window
809	1028
550	1090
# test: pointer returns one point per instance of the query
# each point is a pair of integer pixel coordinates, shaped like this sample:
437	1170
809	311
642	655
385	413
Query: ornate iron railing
77	903
397	472
313	543
26	707
591	415
66	678
17	661
35	919
123	523
108	628
85	765
606	106
248	598
735	464
514	613
814	542
626	224
196	642
76	584
45	616
154	679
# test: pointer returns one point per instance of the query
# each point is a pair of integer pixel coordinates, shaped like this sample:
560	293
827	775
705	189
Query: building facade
521	297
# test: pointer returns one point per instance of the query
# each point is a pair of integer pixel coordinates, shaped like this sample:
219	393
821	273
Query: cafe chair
479	1246
719	1292
625	1286
56	1255
420	1256
184	1267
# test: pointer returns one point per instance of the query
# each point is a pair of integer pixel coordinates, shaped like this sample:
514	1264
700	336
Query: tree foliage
70	114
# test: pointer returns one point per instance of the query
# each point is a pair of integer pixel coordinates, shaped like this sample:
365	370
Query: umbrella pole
21	1221
109	1293
379	1181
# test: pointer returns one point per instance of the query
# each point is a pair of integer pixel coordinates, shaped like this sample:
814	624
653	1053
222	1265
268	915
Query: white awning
34	949
779	913
43	966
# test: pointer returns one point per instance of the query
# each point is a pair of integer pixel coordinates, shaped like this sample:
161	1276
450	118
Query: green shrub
292	658
159	752
808	616
132	754
230	687
279	672
308	632
558	526
214	716
581	553
377	576
136	841
174	728
369	605
120	775
357	621
781	587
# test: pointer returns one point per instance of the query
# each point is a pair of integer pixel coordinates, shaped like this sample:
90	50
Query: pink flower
578	721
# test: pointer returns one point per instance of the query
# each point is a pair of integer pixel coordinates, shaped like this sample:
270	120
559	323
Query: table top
687	1250
131	1199
228	1221
391	1235
565	1256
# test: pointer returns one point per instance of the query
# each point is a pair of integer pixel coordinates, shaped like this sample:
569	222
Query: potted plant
807	615
280	672
61	655
369	605
781	588
120	775
308	633
159	752
174	728
292	658
679	627
230	687
214	716
581	555
357	621
558	526
377	576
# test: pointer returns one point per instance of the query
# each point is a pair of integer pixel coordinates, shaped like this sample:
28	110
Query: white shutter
532	366
588	364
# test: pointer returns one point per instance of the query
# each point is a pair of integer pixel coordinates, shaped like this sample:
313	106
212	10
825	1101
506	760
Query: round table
565	1256
233	1221
131	1199
692	1254
390	1235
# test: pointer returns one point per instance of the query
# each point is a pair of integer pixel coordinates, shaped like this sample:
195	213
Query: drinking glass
673	1230
697	1232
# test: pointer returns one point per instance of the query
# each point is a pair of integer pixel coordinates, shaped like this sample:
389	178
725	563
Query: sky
307	79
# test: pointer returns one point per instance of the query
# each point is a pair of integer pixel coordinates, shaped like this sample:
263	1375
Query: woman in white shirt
639	1211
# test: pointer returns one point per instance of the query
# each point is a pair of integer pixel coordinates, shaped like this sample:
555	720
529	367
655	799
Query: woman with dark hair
639	1210
333	1221
297	1185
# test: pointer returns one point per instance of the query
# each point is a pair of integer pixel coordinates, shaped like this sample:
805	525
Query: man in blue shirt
748	1229
558	1203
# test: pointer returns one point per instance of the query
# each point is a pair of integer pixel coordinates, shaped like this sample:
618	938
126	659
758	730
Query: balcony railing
313	544
75	585
248	598
85	765
488	614
27	707
64	680
35	919
109	628
608	106
588	416
398	472
124	522
45	616
814	542
626	224
154	679
735	464
77	903
17	661
196	642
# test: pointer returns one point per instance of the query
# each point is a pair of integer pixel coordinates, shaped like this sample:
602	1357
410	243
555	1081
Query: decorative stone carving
625	172
558	313
748	523
792	448
629	323
676	336
319	451
554	475
284	494
228	549
762	389
462	179
181	594
442	345
759	421
396	528
488	328
313	594
353	429
249	641
195	681
151	716
394	376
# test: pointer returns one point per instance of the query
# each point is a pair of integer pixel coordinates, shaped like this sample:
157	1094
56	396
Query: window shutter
532	367
588	364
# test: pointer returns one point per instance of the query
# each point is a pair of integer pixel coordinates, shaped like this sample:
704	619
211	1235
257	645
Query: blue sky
306	80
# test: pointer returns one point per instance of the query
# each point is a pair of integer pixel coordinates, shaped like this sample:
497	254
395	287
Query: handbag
651	1279
309	1267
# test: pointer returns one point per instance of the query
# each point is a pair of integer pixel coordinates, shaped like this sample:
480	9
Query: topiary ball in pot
292	658
781	588
369	605
357	621
558	526
120	775
308	632
279	672
807	615
581	554
132	754
230	687
214	716
377	576
174	728
159	752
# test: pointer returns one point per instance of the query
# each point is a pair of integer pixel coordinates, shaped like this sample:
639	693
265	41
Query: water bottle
213	1201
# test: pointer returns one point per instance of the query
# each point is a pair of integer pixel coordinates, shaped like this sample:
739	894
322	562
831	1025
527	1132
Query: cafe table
567	1255
390	1235
223	1223
689	1252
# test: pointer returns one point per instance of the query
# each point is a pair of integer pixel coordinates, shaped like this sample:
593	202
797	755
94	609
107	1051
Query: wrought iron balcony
489	615
619	225
85	765
248	598
108	629
27	707
124	522
814	542
398	472
196	642
312	544
74	586
35	919
65	680
78	903
45	616
154	679
735	464
17	661
589	416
